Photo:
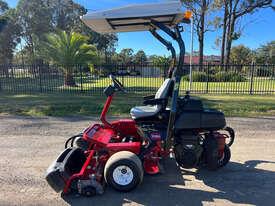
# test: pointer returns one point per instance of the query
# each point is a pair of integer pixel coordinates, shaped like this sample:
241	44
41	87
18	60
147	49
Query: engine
188	149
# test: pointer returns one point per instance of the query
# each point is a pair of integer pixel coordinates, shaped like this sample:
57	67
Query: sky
259	29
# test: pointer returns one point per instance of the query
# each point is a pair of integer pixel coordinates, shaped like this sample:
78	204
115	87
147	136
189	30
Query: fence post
40	80
123	70
164	73
251	79
1	69
207	78
81	79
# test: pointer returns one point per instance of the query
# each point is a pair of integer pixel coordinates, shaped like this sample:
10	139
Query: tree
266	53
126	56
34	17
161	61
3	6
65	14
234	10
140	57
200	10
39	17
3	20
9	37
69	50
241	55
105	43
222	5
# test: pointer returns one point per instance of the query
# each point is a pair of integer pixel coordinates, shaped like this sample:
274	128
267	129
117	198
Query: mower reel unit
120	152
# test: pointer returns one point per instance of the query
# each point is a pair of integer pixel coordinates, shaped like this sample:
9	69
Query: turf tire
128	159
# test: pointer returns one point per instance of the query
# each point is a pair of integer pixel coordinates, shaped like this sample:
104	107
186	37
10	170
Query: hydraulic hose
72	139
231	135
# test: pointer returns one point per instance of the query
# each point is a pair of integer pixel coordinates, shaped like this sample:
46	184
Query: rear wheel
226	157
211	152
123	171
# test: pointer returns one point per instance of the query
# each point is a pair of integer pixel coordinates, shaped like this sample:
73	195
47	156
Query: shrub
218	77
197	77
229	77
264	72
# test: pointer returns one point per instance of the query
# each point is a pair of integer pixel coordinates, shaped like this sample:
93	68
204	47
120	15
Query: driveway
28	146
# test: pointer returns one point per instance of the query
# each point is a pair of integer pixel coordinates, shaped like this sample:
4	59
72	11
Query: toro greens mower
119	152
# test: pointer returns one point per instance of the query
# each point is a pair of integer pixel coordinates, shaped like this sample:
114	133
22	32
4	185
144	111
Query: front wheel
123	171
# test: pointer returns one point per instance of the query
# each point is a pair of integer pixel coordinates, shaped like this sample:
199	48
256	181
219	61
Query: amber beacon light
188	15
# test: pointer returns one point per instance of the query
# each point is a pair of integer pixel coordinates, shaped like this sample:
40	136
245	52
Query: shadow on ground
237	183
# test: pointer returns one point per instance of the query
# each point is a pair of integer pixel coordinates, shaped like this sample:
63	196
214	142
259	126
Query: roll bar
170	48
175	35
175	71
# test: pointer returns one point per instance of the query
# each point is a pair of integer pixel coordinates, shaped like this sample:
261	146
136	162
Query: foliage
229	77
241	55
201	77
266	53
160	60
264	71
233	12
201	15
125	57
105	43
218	77
9	37
3	6
140	57
34	18
68	50
39	17
65	15
3	20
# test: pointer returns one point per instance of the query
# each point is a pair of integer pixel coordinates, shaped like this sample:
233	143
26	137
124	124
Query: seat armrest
149	97
155	102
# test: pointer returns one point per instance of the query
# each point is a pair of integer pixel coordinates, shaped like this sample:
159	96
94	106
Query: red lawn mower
118	153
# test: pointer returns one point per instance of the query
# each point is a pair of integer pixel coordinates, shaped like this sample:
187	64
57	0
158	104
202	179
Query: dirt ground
28	146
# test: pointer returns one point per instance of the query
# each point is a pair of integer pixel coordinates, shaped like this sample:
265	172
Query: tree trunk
69	80
225	17
31	44
106	55
201	42
201	33
230	34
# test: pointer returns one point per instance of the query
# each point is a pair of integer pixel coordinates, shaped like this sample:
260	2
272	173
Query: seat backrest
163	91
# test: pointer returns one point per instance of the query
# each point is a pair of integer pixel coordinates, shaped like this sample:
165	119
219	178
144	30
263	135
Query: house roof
206	59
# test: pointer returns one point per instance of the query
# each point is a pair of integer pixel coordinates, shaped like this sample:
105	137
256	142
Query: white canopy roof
135	17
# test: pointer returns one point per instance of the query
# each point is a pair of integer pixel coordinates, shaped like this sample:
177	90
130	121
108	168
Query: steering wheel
117	84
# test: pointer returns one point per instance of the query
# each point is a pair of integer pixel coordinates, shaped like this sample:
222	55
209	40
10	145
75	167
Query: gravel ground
29	145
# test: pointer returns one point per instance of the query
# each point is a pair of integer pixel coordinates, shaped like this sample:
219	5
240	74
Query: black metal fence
144	79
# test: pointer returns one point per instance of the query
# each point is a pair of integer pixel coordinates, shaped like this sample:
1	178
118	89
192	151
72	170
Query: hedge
218	77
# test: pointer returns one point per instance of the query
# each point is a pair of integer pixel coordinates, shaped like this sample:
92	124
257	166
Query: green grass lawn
137	84
67	105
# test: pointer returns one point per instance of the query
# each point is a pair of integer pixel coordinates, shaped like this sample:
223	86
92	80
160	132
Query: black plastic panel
68	163
207	120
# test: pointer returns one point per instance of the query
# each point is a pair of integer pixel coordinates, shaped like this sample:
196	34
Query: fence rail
144	79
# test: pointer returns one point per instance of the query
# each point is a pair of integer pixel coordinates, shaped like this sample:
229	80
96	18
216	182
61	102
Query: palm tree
69	50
